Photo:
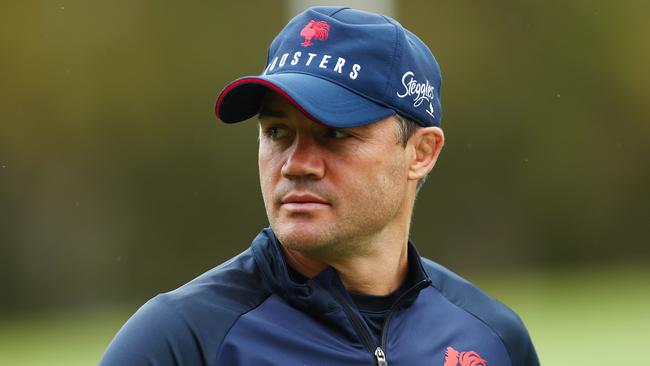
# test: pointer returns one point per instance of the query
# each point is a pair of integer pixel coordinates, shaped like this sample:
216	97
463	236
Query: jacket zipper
381	357
356	323
384	331
379	351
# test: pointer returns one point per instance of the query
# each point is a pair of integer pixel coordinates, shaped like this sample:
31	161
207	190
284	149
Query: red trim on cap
268	85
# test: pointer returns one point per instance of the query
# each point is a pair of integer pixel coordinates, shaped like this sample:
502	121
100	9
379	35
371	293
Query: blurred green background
117	182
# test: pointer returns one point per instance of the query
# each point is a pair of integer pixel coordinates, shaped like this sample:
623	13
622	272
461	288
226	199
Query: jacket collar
319	294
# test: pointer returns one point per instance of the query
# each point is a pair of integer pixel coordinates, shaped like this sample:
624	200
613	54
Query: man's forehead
275	105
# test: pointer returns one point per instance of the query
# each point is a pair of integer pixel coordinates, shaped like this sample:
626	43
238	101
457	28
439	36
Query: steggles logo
469	358
419	91
319	30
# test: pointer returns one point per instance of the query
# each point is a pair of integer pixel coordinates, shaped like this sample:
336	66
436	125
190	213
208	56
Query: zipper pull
381	357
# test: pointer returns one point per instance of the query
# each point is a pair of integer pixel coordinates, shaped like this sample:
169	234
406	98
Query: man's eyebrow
273	113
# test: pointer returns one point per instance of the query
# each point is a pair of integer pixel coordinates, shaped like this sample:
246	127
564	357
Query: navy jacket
249	311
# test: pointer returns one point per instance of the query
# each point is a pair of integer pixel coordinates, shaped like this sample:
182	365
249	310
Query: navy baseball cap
343	68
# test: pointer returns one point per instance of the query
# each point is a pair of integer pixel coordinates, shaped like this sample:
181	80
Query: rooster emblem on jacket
469	358
319	30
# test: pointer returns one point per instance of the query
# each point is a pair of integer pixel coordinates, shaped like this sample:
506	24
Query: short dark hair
405	129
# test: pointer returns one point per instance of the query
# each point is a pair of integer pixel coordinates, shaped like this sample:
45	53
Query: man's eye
338	134
275	132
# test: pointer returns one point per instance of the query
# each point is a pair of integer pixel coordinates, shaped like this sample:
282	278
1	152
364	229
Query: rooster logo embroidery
469	358
319	30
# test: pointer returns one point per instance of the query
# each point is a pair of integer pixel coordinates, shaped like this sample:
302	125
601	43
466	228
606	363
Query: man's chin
303	237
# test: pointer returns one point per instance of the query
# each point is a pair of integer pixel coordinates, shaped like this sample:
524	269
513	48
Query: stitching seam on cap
398	52
336	11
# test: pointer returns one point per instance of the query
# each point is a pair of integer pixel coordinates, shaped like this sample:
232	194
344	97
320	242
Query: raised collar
319	294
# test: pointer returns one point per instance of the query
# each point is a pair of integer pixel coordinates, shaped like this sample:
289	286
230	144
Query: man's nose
304	159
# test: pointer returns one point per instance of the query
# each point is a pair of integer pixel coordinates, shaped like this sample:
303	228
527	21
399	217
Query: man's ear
427	143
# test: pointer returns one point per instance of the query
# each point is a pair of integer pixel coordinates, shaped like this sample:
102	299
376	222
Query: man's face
328	191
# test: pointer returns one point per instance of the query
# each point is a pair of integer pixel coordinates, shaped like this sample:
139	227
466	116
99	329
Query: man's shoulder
468	296
234	286
500	318
186	323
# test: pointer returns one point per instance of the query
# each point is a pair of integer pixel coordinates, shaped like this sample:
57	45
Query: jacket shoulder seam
503	343
225	335
436	285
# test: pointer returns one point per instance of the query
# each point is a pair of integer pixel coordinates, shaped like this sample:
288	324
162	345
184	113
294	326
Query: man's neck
378	273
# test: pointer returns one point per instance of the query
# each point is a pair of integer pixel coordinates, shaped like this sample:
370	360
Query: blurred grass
70	338
587	316
590	316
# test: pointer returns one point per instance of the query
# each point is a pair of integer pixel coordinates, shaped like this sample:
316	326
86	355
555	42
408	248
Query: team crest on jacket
314	30
468	358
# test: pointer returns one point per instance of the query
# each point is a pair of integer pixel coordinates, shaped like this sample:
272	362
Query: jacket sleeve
517	341
154	335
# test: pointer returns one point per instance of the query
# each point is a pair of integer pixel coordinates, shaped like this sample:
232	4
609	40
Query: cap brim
321	100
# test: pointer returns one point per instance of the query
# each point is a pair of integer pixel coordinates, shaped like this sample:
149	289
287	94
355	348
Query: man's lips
302	199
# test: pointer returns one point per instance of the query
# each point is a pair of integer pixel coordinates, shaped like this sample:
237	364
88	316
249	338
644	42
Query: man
349	111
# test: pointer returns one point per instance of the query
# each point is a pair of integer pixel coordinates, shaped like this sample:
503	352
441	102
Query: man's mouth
303	201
